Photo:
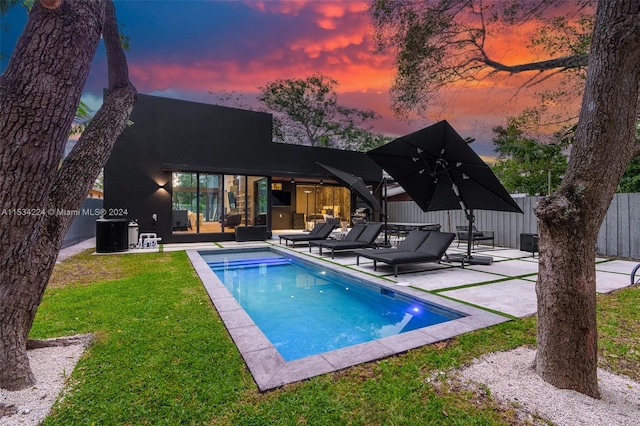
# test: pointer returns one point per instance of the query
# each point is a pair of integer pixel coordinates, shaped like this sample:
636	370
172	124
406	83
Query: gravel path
51	366
511	378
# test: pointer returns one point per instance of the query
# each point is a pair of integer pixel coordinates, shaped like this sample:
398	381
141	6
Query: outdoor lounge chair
360	236
410	243
476	236
319	232
350	236
431	249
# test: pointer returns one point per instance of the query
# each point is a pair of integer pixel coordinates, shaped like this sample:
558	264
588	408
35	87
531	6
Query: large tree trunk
39	95
569	220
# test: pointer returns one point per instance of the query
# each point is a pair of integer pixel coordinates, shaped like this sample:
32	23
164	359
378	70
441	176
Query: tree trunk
39	95
569	220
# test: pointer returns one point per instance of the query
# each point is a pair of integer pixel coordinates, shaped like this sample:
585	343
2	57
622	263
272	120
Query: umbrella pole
471	219
477	260
386	215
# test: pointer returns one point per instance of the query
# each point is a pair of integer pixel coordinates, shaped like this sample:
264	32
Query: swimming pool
305	310
268	366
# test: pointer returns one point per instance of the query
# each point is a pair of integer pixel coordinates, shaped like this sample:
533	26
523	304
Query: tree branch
80	169
566	62
118	71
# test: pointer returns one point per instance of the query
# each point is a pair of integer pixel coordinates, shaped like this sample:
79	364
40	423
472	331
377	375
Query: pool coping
268	367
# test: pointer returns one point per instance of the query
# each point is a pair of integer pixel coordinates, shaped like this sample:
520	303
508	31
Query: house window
184	202
214	203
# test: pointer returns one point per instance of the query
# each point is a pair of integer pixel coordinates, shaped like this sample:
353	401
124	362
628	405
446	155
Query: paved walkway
67	252
506	286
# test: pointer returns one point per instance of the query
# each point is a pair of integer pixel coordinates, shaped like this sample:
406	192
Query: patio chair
319	232
432	249
360	236
462	233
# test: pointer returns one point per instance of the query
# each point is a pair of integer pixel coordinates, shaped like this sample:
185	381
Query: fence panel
619	235
83	226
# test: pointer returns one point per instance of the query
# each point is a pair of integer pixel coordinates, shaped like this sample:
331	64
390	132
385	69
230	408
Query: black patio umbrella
439	171
355	183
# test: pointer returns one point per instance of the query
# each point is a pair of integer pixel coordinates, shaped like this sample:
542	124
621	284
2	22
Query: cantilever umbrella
355	183
439	171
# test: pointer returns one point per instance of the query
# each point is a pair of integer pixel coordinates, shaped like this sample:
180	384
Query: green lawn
162	356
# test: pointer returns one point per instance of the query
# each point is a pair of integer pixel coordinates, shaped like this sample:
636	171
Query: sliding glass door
213	203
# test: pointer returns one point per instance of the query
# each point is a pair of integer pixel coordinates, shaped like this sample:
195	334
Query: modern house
197	172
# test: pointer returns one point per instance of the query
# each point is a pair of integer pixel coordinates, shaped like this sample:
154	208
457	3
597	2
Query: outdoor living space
158	338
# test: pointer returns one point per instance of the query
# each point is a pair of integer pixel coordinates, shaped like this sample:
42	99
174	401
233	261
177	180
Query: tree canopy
307	112
440	44
525	165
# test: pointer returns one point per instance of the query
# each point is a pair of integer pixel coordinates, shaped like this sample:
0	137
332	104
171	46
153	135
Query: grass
162	356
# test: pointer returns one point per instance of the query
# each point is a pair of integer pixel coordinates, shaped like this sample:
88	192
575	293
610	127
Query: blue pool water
305	310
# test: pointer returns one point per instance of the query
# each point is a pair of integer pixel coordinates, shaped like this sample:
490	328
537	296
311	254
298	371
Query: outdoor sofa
418	247
359	237
319	232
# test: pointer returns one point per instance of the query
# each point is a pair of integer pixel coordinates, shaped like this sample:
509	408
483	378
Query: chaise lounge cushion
436	244
413	240
364	236
350	238
410	244
354	233
432	249
320	232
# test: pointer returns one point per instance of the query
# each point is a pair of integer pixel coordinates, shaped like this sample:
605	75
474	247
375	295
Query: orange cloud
336	41
292	7
331	12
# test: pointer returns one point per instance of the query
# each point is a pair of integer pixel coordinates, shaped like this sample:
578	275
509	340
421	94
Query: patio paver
619	266
514	297
445	278
508	268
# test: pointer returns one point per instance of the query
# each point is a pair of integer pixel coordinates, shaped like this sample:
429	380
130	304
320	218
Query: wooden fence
619	235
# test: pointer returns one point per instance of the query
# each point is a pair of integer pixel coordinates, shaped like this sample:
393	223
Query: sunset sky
187	49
